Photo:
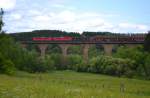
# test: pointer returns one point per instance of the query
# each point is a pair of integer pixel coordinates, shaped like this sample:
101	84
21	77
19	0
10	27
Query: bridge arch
53	48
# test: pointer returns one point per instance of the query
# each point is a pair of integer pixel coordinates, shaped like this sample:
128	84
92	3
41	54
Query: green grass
68	84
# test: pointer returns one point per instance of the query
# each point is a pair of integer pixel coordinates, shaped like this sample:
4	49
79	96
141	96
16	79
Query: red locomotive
66	38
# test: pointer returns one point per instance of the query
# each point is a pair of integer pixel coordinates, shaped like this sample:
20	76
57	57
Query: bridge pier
23	45
64	48
85	52
108	49
42	48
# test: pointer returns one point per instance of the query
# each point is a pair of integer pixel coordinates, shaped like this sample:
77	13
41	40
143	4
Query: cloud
57	1
16	16
56	15
34	12
58	5
71	21
42	18
133	26
62	6
7	4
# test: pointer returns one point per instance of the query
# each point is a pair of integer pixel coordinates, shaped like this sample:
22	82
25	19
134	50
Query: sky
118	16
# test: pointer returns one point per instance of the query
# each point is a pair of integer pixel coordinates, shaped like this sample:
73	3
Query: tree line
23	36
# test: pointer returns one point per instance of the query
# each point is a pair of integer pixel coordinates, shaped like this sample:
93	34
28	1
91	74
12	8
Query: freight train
93	39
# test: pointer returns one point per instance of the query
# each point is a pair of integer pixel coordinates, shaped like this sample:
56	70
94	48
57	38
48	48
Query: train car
66	38
42	38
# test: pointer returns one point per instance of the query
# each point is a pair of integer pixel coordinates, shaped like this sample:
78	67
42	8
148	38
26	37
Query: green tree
1	19
74	60
147	43
6	66
56	58
147	65
111	66
135	53
141	58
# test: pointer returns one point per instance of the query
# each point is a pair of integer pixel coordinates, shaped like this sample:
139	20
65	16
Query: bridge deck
77	42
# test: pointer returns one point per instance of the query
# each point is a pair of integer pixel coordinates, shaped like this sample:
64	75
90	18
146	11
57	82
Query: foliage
112	66
8	55
48	63
95	50
56	58
53	48
134	53
73	61
1	19
147	65
103	65
6	66
147	43
89	34
43	65
33	63
29	61
21	58
137	54
74	50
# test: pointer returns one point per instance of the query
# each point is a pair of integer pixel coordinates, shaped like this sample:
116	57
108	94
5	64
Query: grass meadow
69	84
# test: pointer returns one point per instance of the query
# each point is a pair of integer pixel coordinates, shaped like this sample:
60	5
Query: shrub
57	60
49	63
29	61
73	61
147	65
33	63
111	66
139	56
43	65
81	67
6	66
147	42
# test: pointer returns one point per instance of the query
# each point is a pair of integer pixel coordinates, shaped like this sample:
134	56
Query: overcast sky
77	15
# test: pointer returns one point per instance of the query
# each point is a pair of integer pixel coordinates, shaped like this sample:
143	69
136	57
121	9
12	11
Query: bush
11	50
112	66
147	65
147	42
43	65
142	59
29	61
56	58
6	66
20	58
49	63
81	67
73	61
33	63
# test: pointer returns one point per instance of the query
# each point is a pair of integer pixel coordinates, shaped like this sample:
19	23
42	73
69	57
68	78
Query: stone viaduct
108	47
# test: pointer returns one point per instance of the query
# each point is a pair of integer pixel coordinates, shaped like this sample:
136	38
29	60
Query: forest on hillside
23	36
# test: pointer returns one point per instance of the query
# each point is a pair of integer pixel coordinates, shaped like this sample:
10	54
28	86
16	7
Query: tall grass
68	84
